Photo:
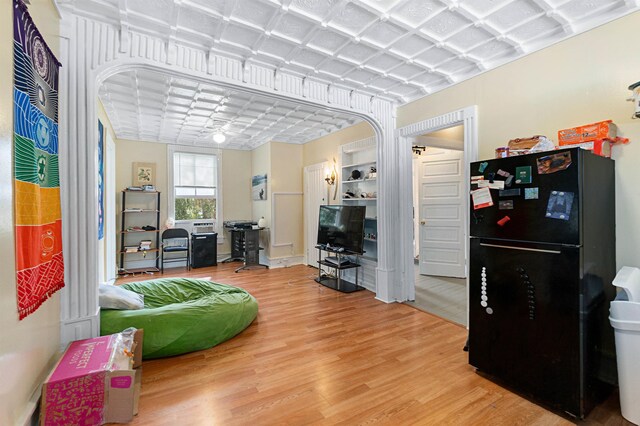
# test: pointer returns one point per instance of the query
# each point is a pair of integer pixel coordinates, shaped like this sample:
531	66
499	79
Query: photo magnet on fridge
554	163
531	193
523	174
505	205
559	206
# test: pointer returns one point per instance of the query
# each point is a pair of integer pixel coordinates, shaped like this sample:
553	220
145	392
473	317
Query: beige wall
236	179
27	347
451	138
326	148
578	81
236	189
286	176
261	164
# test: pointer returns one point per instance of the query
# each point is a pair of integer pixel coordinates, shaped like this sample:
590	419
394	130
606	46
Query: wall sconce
331	178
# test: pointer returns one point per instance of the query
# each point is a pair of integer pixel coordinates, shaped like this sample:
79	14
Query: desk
245	246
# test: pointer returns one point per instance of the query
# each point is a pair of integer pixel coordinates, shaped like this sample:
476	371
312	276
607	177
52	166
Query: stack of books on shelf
130	249
145	245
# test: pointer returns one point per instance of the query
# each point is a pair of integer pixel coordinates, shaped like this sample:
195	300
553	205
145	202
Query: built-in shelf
367	163
361	155
140	211
358	180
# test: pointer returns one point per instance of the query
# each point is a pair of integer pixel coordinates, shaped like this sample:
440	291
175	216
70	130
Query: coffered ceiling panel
398	50
145	105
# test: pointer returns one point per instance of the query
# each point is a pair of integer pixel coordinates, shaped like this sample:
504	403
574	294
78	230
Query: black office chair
175	240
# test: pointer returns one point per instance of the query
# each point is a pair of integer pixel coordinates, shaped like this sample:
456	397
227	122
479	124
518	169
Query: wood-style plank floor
316	356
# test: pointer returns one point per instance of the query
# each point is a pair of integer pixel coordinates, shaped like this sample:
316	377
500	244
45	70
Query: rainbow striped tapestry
38	218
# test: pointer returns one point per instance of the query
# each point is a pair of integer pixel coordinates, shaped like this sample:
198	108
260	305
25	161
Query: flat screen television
342	227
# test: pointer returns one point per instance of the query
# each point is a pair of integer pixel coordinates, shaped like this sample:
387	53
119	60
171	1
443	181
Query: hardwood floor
316	356
445	297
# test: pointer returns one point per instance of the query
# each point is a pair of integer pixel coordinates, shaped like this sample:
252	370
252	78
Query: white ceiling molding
398	50
394	50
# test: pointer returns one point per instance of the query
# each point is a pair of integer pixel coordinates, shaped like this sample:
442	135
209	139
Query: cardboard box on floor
82	388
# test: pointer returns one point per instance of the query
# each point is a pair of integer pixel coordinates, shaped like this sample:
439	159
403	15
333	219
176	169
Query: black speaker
204	250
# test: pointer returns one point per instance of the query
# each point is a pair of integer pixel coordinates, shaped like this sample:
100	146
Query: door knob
423	222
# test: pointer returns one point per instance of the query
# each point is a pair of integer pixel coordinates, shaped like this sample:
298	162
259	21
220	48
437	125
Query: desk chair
175	240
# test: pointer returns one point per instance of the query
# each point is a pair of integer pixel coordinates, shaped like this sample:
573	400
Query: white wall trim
93	51
282	262
273	215
406	136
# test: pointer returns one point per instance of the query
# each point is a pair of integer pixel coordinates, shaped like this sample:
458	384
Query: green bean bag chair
183	315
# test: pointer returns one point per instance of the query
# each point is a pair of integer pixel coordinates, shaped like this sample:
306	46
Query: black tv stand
341	264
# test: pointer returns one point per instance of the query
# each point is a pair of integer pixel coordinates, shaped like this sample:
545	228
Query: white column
78	167
387	278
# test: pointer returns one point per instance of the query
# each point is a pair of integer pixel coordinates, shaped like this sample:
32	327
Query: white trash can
624	316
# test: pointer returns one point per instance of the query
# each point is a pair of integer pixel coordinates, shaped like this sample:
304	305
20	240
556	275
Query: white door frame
406	136
310	204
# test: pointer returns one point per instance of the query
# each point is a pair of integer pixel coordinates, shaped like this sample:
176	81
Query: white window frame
171	150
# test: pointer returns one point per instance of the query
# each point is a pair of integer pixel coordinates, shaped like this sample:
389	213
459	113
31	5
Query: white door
110	210
442	218
315	195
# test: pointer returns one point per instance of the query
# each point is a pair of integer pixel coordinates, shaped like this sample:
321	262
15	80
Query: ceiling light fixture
219	137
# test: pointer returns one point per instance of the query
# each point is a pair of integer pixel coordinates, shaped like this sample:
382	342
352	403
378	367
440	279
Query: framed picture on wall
144	174
259	187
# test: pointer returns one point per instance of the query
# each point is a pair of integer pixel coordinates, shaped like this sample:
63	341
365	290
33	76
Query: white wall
27	347
578	81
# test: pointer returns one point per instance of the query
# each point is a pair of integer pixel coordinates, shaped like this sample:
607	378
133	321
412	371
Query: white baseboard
282	262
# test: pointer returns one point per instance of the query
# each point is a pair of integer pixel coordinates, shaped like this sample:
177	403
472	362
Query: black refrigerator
542	259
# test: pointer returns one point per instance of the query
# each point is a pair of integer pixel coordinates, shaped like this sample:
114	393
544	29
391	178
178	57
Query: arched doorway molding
468	117
91	52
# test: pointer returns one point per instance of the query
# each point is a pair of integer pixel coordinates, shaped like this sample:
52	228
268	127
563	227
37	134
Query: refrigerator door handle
521	248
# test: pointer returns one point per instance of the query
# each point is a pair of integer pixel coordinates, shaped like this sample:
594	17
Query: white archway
93	51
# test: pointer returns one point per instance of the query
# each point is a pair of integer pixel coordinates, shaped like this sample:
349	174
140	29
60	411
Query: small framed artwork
144	174
259	187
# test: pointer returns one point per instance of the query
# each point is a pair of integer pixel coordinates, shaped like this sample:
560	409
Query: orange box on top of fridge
589	132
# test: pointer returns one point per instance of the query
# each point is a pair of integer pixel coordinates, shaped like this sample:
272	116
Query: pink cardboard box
84	389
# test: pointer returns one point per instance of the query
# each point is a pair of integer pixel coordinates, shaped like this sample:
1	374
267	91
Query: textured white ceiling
395	49
145	105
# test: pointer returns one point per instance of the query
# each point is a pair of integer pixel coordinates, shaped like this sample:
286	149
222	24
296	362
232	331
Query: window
194	185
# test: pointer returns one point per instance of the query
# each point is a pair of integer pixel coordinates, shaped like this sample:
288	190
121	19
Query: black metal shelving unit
122	269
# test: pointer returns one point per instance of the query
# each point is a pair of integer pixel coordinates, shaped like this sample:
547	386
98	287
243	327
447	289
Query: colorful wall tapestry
38	218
